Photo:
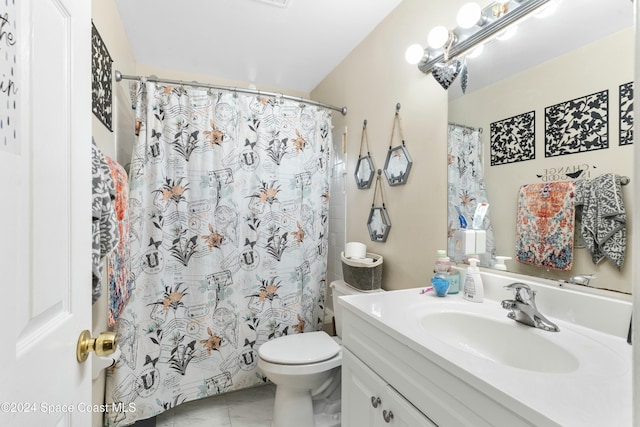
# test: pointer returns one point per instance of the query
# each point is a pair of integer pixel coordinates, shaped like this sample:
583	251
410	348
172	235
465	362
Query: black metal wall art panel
626	114
101	98
577	126
513	139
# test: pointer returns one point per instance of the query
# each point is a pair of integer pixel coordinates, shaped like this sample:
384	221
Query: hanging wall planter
378	223
398	163
364	167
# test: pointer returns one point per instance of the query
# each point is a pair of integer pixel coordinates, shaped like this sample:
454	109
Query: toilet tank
341	288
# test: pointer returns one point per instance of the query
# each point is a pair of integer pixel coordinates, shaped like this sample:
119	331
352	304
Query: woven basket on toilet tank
365	275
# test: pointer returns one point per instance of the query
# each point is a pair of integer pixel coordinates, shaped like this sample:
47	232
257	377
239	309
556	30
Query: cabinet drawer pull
375	401
388	416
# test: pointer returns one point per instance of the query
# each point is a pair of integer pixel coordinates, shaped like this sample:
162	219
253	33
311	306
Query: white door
45	212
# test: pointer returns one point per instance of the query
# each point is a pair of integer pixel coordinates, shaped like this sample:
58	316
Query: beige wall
576	74
370	81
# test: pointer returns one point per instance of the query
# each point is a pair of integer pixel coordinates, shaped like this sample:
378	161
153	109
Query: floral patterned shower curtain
465	178
228	217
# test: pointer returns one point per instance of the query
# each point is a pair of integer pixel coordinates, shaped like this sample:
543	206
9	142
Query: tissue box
361	274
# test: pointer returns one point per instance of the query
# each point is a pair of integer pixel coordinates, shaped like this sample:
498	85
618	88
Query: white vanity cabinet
378	362
369	401
450	362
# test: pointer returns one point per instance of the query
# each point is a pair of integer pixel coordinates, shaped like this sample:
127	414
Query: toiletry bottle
443	265
440	279
473	289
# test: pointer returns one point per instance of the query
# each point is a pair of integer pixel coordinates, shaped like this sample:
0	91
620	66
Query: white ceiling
292	47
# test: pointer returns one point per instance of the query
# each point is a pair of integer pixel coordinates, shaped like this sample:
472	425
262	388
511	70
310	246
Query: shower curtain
228	218
465	178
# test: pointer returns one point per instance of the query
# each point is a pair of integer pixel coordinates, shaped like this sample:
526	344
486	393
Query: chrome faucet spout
523	308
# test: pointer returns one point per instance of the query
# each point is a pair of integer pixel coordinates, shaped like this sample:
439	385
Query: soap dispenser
473	288
500	263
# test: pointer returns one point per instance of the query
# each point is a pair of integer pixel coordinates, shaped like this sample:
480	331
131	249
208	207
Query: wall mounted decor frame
378	223
398	163
577	126
513	139
364	167
101	85
626	114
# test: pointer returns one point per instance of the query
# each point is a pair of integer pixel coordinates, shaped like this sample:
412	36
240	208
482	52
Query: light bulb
414	53
469	15
438	36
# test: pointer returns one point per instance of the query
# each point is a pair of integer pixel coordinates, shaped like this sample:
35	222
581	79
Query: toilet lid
299	349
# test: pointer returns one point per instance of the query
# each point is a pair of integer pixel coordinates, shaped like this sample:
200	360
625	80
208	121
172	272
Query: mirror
570	52
364	172
379	224
398	165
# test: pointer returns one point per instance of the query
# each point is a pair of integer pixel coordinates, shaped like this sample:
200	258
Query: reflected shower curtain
465	178
228	217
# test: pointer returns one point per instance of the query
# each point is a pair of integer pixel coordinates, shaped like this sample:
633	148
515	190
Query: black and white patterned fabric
104	224
600	207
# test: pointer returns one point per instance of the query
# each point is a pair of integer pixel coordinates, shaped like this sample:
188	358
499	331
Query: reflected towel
601	209
545	224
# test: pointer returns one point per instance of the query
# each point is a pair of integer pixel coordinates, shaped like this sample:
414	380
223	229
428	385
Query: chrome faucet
523	308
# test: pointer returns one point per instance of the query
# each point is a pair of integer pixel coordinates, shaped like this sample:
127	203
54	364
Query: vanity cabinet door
404	413
362	393
367	400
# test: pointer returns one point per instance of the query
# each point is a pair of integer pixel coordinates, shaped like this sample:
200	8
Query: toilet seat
300	349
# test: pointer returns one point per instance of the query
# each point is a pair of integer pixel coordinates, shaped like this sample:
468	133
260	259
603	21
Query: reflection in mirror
364	172
379	224
580	49
398	165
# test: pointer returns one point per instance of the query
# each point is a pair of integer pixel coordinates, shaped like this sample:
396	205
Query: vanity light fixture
472	30
438	37
469	15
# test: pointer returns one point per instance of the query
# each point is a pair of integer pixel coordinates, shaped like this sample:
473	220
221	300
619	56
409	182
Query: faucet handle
523	293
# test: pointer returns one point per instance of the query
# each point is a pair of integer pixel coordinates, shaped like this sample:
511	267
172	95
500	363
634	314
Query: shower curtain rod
343	110
465	127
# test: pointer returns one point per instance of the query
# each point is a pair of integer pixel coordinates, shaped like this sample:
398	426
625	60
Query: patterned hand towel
545	224
600	206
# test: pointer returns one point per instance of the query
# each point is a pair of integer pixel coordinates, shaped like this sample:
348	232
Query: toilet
306	371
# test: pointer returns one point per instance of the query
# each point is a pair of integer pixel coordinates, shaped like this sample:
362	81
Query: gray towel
104	224
600	207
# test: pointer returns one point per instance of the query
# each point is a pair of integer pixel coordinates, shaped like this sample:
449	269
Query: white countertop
596	393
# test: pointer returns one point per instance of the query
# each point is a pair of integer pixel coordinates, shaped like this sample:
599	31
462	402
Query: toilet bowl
306	371
297	379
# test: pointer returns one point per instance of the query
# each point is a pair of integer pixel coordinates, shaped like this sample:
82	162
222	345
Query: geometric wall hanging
514	139
626	114
398	163
577	126
101	99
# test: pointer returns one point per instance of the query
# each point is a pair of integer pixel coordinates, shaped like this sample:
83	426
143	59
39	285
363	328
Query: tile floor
245	408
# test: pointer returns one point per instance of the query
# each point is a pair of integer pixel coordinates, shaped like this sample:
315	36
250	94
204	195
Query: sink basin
503	341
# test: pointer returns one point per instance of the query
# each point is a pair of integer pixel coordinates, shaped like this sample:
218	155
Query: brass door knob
104	345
